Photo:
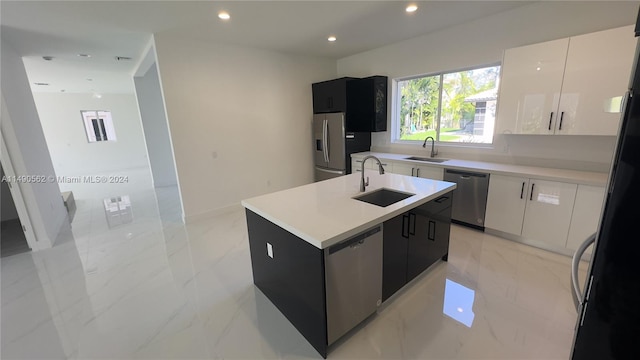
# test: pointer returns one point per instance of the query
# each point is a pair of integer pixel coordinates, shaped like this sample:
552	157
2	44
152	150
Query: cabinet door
548	212
403	169
330	96
530	87
586	214
429	172
439	233
394	254
506	203
598	69
420	235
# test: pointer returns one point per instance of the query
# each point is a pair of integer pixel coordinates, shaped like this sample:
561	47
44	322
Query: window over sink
452	107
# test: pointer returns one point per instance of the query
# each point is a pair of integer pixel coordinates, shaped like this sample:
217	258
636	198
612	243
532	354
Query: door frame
16	194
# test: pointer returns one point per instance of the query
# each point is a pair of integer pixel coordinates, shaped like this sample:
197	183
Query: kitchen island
327	260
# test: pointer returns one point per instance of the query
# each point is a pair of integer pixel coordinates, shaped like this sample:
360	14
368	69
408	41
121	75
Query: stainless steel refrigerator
333	146
608	324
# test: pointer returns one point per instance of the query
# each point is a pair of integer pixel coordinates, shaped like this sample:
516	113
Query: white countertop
562	175
324	213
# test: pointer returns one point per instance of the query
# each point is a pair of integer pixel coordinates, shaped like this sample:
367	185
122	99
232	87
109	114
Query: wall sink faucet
434	152
364	184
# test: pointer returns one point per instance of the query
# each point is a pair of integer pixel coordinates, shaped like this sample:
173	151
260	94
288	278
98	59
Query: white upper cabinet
592	77
565	86
530	87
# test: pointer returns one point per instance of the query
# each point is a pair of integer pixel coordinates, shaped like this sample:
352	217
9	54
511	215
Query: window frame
395	108
107	125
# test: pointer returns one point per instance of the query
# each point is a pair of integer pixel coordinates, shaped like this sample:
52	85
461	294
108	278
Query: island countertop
325	213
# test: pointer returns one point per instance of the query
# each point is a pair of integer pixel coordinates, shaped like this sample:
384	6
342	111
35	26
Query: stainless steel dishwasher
469	198
353	279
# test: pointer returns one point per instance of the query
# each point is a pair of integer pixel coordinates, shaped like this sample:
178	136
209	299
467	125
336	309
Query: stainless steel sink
383	197
417	158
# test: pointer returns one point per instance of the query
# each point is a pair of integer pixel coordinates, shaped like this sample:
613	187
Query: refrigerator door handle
575	265
324	140
326	124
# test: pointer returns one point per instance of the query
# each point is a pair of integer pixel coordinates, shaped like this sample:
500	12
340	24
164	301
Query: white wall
72	153
8	208
483	42
240	119
27	149
156	130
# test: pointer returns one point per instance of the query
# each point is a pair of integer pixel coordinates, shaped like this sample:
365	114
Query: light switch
270	250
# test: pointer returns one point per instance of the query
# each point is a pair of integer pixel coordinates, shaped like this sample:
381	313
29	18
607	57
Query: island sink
417	158
383	197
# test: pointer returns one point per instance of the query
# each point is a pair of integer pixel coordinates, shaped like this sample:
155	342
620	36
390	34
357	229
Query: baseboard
537	244
190	219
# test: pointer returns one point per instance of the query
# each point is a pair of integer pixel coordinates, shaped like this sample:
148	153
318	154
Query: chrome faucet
364	184
434	152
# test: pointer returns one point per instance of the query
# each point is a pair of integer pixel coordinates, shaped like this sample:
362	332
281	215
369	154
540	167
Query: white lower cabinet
548	212
537	210
586	215
426	172
506	203
356	164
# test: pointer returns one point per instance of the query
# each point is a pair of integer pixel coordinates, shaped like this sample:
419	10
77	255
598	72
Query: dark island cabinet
414	241
394	254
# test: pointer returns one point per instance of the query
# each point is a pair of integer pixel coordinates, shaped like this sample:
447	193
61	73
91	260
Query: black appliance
608	325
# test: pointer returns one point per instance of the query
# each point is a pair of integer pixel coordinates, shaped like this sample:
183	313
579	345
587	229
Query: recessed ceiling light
122	58
224	15
411	8
84	55
41	84
89	79
332	38
47	57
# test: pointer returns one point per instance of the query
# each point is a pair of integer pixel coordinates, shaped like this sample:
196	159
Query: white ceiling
106	29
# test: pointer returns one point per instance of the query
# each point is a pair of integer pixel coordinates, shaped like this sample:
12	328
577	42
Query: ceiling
106	29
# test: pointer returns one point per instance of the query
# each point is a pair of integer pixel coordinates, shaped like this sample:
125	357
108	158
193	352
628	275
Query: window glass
457	107
98	125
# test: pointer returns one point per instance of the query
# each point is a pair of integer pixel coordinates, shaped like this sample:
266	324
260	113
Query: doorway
12	238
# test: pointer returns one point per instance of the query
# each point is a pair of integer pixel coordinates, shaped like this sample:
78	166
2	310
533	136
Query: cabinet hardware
405	227
522	191
412	219
561	118
531	195
431	234
418	172
441	199
412	169
550	117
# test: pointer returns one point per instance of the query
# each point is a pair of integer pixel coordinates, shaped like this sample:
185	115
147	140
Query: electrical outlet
270	250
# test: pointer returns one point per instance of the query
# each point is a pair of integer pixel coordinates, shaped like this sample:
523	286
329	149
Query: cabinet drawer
436	205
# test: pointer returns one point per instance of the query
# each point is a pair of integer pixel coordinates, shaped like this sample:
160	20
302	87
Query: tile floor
154	288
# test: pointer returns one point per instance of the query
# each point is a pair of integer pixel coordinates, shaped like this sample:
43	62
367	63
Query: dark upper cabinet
367	104
330	96
364	101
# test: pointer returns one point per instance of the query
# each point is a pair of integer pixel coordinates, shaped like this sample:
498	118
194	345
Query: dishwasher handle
353	242
465	174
